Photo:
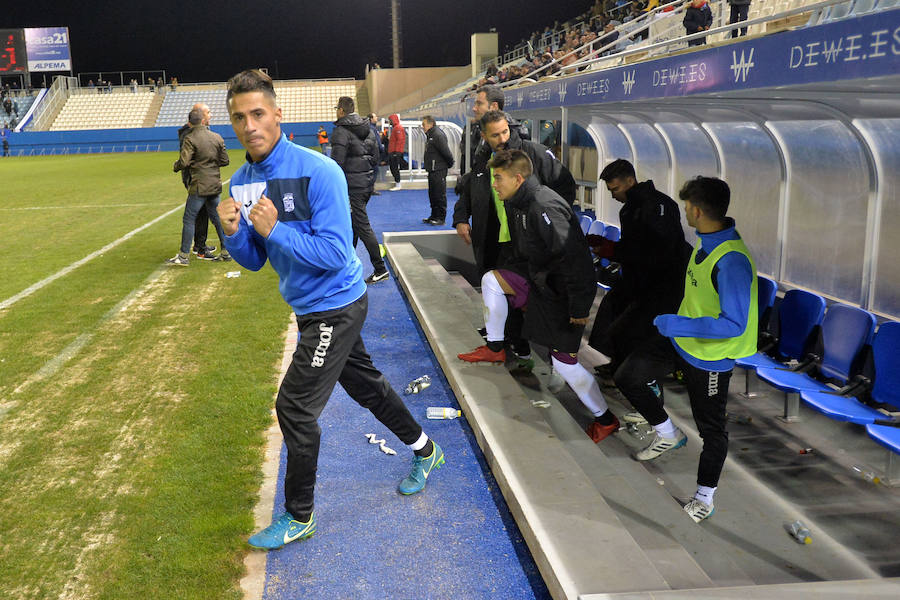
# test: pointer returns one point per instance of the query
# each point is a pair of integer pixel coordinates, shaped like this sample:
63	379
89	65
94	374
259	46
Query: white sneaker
661	444
396	188
698	509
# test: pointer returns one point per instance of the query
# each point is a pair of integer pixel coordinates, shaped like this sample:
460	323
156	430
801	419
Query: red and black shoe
599	432
483	354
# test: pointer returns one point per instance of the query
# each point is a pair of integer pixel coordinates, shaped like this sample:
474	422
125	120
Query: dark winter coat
547	233
354	148
203	153
739	2
185	173
652	249
697	18
437	155
476	200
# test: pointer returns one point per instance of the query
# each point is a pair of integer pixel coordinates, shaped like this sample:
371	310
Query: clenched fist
229	215
263	215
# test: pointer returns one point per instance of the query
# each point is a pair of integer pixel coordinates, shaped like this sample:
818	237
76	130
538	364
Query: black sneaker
376	277
204	250
433	222
223	256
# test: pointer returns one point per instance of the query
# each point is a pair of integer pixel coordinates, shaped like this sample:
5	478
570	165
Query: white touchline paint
66	270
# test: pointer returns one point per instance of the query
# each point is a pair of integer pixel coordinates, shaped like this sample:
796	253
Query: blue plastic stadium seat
586	223
845	331
597	228
765	293
885	390
887	436
612	233
798	316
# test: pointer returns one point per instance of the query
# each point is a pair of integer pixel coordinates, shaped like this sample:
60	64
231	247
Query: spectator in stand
610	35
354	148
203	152
173	83
697	17
438	159
396	147
134	86
8	106
3	134
150	82
739	11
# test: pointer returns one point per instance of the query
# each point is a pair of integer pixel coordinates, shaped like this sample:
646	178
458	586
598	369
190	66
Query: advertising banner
48	49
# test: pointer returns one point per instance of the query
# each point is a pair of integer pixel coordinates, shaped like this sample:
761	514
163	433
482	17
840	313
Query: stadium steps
598	522
153	110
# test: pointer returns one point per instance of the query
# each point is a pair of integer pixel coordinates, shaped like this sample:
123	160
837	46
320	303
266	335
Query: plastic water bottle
865	474
442	412
417	385
800	533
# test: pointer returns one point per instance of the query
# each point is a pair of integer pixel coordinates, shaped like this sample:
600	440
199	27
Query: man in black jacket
487	98
354	148
437	159
488	232
553	279
653	256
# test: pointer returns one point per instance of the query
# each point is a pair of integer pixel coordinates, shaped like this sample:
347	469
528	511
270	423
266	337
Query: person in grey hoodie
355	149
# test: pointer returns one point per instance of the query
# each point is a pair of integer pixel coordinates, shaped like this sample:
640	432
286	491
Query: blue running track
454	540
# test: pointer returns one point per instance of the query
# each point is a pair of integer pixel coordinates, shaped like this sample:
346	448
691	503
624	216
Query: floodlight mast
396	33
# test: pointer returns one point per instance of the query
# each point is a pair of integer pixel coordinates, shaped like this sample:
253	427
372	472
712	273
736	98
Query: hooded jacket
397	142
437	156
354	148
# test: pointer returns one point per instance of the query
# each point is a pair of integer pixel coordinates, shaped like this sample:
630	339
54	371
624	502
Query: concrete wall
394	90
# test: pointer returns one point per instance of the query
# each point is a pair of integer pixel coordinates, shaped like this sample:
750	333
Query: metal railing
53	102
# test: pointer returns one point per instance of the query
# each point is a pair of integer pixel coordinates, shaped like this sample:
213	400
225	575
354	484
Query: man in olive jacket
203	152
438	159
201	228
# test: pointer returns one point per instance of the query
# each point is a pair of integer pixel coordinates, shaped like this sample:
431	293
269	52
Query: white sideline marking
56	363
78	207
66	270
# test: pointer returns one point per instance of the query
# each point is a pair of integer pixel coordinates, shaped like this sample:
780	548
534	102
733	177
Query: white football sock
419	443
496	308
583	384
705	494
666	429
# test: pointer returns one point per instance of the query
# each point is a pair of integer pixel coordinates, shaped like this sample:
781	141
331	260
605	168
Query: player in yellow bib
716	324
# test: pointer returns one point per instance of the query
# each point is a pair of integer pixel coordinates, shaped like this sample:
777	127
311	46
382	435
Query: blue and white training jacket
311	245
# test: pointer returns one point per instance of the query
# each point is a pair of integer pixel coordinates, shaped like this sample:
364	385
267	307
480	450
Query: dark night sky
202	40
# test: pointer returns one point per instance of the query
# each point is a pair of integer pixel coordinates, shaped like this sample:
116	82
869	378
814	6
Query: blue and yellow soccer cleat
421	468
285	530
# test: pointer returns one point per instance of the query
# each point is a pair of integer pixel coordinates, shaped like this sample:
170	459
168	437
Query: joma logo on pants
324	342
712	384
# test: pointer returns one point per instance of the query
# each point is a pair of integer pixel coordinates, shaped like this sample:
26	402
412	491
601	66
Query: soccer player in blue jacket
289	206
